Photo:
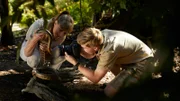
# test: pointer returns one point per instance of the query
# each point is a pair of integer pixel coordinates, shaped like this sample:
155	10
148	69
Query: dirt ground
14	76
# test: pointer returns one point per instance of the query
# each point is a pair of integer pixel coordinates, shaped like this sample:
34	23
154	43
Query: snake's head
47	39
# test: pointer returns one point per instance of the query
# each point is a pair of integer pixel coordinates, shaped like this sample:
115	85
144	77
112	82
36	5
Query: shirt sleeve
33	28
107	60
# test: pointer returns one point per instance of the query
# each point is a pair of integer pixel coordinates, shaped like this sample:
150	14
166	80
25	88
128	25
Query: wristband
77	65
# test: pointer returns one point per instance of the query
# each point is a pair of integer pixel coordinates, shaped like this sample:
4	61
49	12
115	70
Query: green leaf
16	4
17	16
51	2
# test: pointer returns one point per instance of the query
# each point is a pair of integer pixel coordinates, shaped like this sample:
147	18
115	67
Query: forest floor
14	76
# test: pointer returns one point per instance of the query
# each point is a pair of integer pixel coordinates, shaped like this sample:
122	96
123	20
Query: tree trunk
7	35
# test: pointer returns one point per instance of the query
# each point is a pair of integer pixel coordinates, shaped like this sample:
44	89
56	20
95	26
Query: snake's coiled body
47	39
43	71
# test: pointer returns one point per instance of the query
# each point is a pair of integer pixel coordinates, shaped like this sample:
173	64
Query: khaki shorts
132	75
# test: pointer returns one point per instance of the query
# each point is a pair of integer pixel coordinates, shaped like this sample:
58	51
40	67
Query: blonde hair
64	19
90	37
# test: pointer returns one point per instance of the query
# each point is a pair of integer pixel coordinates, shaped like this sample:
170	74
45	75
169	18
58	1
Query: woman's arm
31	44
32	38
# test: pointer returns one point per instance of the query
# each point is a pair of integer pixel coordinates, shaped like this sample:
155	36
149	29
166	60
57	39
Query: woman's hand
31	44
43	46
70	59
37	37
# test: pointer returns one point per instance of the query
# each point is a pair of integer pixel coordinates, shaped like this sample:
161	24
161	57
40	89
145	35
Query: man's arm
93	75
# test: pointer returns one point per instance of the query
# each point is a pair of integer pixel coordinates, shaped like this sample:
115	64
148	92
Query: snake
43	71
47	39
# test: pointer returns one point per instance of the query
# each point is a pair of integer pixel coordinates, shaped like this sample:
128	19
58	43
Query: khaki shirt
121	48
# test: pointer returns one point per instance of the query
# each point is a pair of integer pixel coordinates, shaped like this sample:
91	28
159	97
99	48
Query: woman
59	26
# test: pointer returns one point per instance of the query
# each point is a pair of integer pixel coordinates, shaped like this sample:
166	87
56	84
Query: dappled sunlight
9	72
85	84
176	67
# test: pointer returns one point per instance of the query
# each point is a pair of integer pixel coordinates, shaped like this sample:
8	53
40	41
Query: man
123	54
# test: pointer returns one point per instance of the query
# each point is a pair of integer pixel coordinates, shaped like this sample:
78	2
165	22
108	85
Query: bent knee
33	61
110	91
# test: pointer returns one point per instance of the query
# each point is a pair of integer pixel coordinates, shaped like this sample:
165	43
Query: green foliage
75	10
16	4
143	13
25	12
17	16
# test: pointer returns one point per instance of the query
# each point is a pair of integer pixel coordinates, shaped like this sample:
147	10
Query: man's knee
110	91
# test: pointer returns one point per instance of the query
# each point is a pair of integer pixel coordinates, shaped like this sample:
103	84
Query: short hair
90	37
66	21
